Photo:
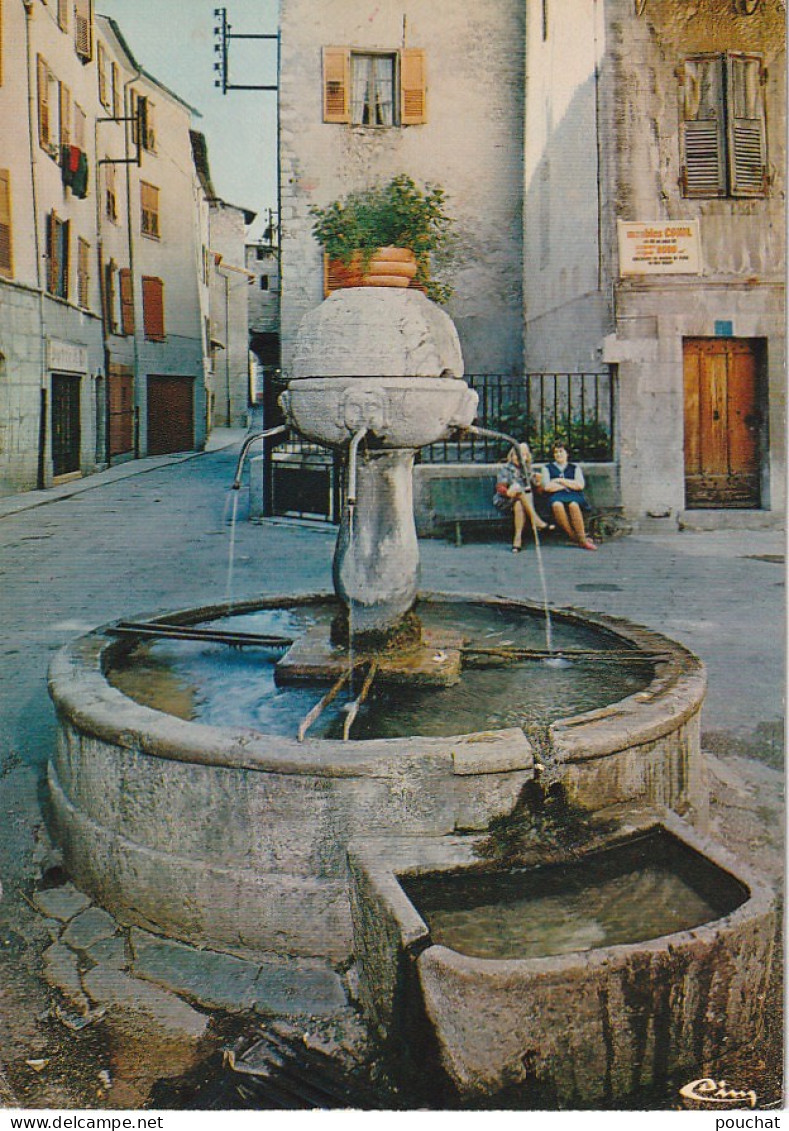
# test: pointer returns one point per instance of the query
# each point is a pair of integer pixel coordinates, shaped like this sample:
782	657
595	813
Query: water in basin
221	686
642	889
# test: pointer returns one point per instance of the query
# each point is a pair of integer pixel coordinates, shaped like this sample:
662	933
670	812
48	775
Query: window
58	256
101	68
153	308
141	110
63	14
723	126
6	246
127	301
110	297
83	40
374	89
83	273
149	203
264	282
110	192
48	106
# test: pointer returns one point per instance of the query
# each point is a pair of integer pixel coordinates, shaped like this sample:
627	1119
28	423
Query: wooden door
66	429
170	415
722	422
121	410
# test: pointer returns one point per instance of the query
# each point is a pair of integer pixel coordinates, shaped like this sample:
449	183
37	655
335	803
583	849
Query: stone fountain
293	850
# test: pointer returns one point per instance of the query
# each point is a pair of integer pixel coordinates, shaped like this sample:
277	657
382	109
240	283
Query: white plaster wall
229	301
471	144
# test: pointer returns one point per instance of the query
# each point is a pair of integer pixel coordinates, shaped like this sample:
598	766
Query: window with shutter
149	205
58	255
63	14
336	84
115	91
83	273
153	308
83	37
127	301
110	192
374	89
80	122
6	243
723	126
110	297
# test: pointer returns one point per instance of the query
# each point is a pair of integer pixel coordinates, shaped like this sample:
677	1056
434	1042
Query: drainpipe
32	117
130	242
227	348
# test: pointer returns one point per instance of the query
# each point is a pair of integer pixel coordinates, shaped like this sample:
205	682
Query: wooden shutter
703	131
336	84
746	126
110	270
63	14
83	273
64	257
65	116
413	87
6	246
43	103
1	42
83	40
53	252
153	307
101	70
127	301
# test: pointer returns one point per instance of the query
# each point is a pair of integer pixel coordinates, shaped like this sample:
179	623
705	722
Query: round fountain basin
235	836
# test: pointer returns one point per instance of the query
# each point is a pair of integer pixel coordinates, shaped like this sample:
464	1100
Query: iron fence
537	407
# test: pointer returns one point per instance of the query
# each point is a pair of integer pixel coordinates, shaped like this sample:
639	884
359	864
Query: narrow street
158	537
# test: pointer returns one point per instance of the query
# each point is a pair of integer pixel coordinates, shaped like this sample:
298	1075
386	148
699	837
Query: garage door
170	414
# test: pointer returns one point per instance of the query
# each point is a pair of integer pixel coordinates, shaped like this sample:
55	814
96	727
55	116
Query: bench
463	500
459	501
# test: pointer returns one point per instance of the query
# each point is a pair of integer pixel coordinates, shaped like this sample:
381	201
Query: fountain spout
352	458
247	444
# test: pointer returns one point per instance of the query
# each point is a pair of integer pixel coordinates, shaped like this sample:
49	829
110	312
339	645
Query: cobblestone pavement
156	535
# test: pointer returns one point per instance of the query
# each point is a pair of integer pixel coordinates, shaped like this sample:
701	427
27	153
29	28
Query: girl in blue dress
563	482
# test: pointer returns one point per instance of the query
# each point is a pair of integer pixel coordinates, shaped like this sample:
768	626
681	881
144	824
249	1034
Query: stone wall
471	144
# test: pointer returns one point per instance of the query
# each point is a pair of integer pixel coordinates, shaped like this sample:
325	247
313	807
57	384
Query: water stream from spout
353	450
231	552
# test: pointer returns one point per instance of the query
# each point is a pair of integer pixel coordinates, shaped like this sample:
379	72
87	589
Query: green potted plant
384	236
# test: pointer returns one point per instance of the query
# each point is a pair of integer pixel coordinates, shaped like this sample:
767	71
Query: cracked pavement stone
62	903
88	928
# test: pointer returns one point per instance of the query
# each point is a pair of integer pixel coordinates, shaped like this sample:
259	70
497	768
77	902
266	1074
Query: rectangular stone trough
579	1028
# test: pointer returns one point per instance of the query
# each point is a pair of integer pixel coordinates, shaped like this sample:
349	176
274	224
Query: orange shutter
83	40
336	84
6	257
65	115
43	103
153	307
127	301
413	87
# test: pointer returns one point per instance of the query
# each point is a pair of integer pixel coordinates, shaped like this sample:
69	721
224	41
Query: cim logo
717	1093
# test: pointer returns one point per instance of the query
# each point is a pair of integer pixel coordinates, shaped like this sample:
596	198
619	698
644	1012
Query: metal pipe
247	444
494	435
354	445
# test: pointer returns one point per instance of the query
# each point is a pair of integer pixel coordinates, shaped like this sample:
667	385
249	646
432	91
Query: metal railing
539	407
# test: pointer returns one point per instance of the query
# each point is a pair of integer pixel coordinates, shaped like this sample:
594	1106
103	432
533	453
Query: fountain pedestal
386	363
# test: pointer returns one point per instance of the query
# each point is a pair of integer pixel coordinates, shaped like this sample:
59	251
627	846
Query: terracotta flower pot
387	267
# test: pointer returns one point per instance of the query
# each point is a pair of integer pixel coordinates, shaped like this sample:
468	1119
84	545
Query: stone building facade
229	302
102	351
617	169
660	126
467	62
